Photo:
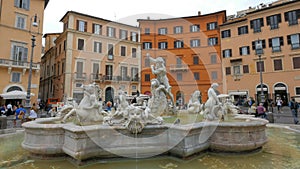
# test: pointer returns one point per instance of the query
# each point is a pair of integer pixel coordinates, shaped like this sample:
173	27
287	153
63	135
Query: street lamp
35	23
259	51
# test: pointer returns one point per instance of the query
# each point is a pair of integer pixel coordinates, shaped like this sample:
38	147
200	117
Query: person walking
294	108
279	104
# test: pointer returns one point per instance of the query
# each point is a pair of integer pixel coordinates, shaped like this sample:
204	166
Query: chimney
199	13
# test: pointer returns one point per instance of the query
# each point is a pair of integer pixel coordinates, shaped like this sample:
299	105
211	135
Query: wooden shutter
289	41
279	18
253	45
268	20
248	50
281	41
251	24
77	24
261	22
270	42
85	26
264	43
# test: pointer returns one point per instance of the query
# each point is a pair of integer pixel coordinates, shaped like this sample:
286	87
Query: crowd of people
19	112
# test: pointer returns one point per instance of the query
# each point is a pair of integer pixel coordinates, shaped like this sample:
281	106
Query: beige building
275	27
19	21
90	50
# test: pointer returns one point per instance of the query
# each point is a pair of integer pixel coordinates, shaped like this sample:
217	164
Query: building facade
275	27
190	47
93	50
19	21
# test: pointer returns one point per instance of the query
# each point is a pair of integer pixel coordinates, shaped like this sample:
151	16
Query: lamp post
259	51
27	101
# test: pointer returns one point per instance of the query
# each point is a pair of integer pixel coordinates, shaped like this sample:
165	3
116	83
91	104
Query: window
245	69
162	31
214	75
212	25
194	28
147	31
179	61
110	51
213	59
262	42
124	73
228	70
134	37
237	70
227	53
277	64
123	51
147	45
178	29
134	73
162	45
195	60
80	44
294	41
111	32
123	34
97	29
258	64
133	52
276	43
25	4
179	76
226	33
109	72
79	69
65	44
196	76
243	30
95	74
98	47
256	24
16	77
212	41
274	21
296	62
297	90
19	54
20	21
147	77
195	43
178	44
244	50
292	17
81	26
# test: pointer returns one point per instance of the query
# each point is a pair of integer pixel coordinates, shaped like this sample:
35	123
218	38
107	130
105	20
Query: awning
15	95
239	93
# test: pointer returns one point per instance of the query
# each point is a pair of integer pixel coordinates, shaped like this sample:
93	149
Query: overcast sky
127	11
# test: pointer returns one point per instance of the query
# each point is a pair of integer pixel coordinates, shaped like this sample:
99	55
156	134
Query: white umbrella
15	95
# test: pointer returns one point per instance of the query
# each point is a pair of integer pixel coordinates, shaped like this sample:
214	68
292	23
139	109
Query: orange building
190	47
19	21
91	50
276	27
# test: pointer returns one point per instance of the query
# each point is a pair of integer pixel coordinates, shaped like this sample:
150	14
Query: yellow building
91	50
275	27
19	21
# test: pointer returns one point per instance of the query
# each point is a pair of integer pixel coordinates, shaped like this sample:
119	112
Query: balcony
179	67
80	76
18	64
95	77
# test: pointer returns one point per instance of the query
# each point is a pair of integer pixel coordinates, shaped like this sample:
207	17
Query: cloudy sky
127	11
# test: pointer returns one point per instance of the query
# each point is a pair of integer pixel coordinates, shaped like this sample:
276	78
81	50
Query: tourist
294	108
261	111
252	109
279	104
32	114
2	110
9	110
108	105
20	114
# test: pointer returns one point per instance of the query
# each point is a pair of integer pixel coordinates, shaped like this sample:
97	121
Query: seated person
32	114
261	110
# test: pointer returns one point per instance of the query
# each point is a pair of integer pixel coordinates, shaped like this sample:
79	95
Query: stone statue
161	75
213	106
89	110
194	105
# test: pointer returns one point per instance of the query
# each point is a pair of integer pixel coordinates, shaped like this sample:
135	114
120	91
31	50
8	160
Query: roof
186	17
48	34
273	6
94	17
46	3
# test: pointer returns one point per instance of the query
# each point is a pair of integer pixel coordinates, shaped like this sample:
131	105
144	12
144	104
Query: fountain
139	131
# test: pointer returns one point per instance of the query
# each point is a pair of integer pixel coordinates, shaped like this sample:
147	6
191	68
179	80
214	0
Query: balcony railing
18	64
95	77
179	67
80	76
